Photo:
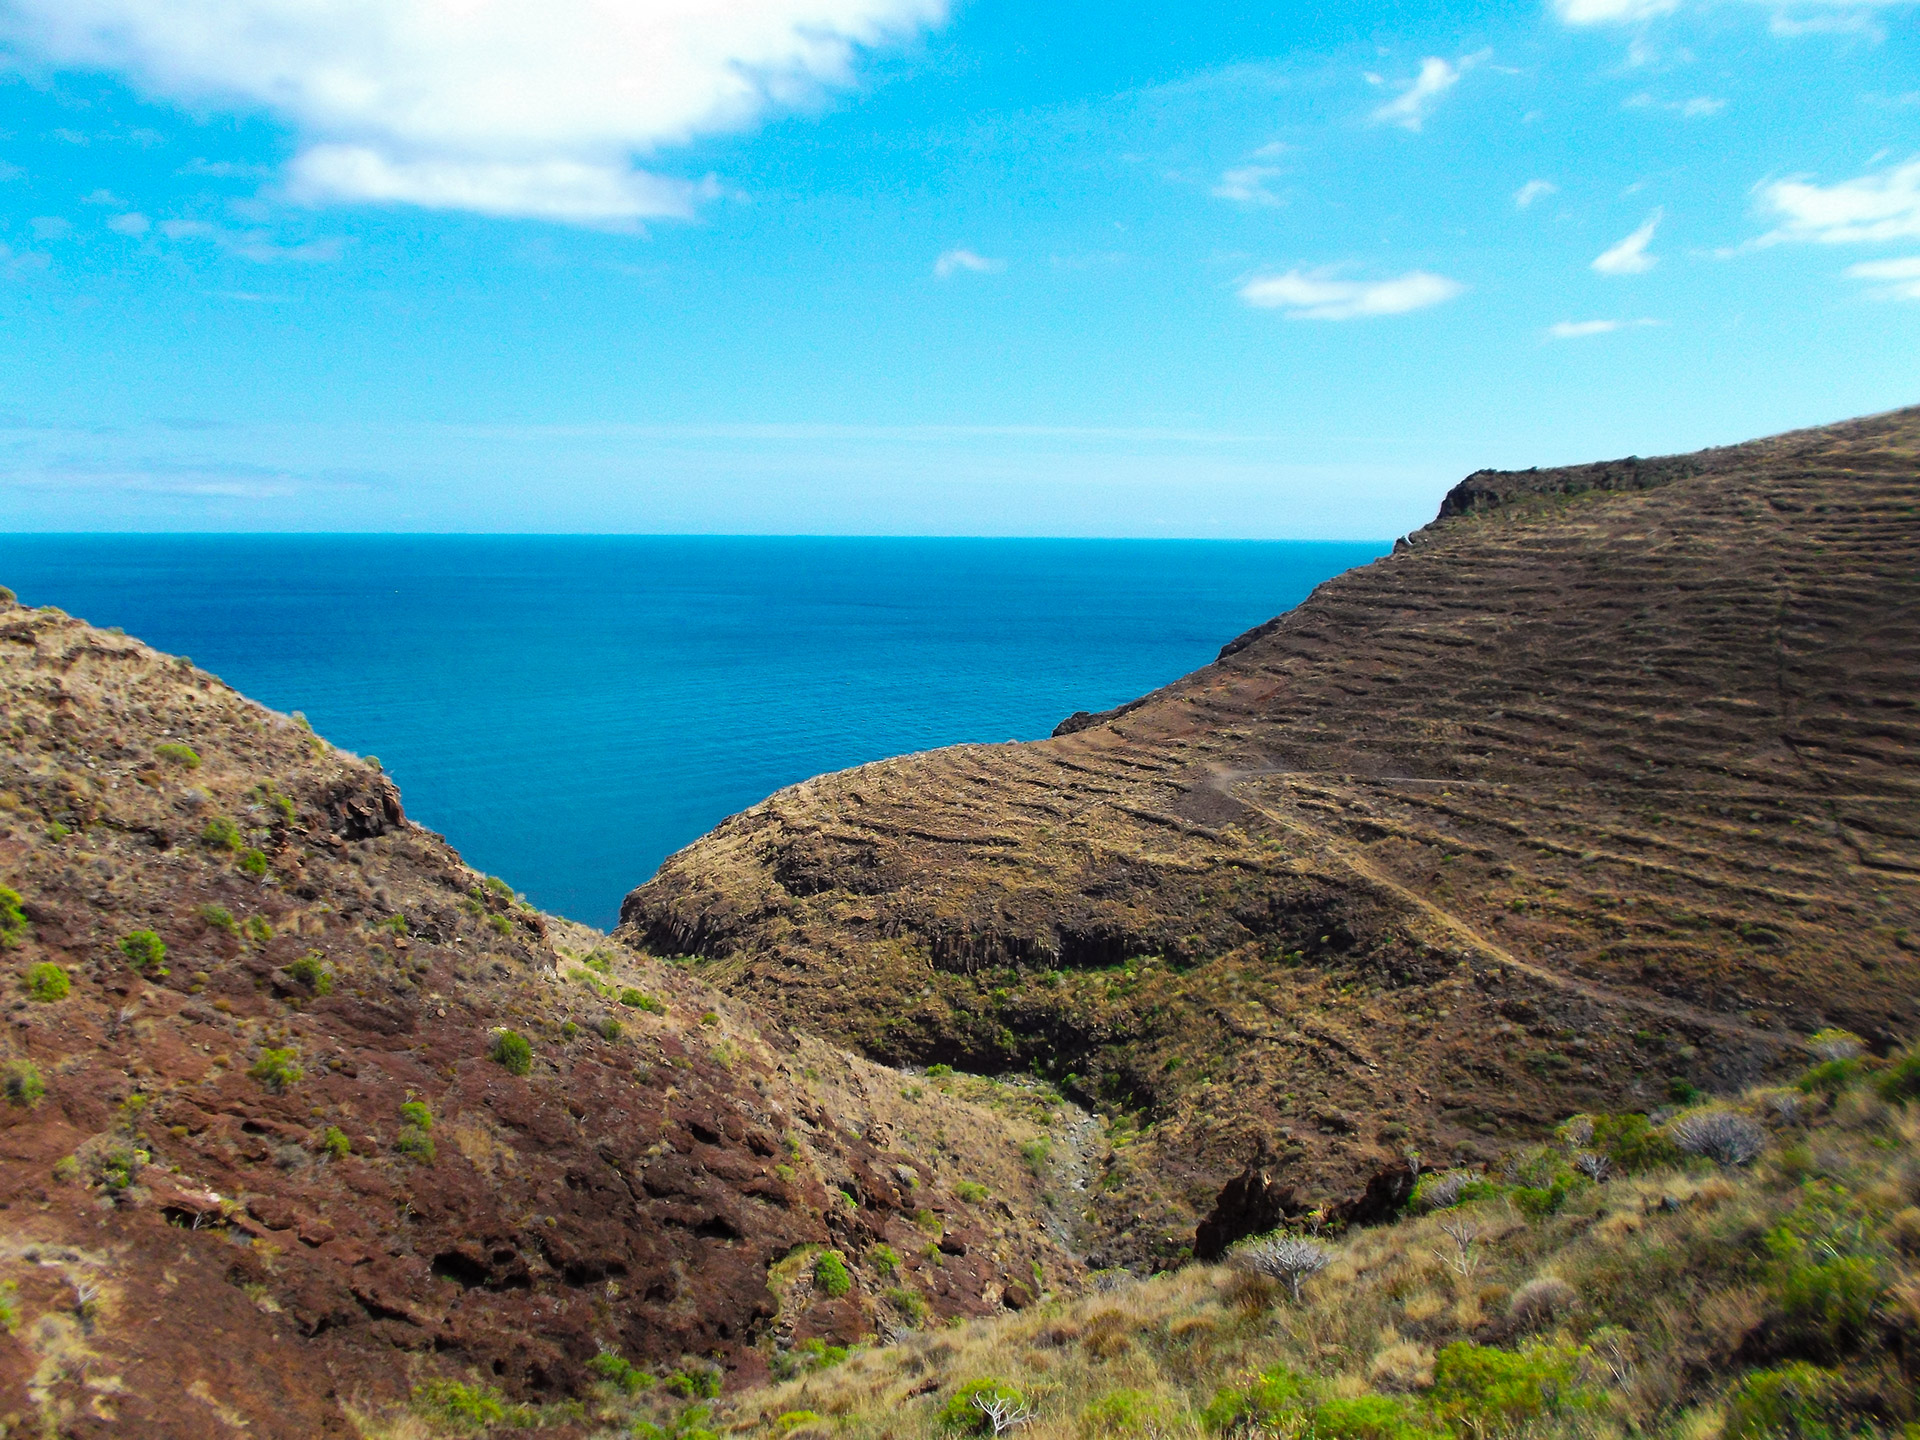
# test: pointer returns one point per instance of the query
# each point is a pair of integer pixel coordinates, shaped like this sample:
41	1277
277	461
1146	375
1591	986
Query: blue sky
906	266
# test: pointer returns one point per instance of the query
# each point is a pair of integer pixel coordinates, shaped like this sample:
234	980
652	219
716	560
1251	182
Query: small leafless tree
1290	1258
1463	1259
1593	1165
1723	1136
1002	1411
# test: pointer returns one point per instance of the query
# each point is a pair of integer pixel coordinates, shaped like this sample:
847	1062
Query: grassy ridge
1610	1284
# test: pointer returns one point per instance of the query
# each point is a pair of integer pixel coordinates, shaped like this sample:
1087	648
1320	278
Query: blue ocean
570	710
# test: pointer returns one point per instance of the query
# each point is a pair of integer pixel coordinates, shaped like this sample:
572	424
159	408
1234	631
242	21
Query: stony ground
265	1165
1599	789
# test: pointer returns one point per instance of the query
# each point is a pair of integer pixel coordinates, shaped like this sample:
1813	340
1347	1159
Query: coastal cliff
1600	789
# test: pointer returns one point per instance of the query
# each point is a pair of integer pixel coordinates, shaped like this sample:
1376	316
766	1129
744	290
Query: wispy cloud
953	262
132	223
1789	17
1533	190
1581	329
1699	107
1611	12
513	107
259	246
1322	295
1898	279
1870	208
1630	256
1247	185
1411	107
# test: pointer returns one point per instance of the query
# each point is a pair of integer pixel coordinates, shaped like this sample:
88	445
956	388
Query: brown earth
1601	786
192	1244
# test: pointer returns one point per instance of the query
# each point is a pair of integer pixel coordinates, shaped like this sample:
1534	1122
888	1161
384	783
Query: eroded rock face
1605	779
221	1211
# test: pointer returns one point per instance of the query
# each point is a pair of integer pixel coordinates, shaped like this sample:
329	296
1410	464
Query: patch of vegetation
471	1408
618	1371
511	1051
311	971
13	918
145	951
970	1191
178	755
222	834
253	862
336	1143
48	982
830	1274
21	1081
218	917
257	929
639	1000
277	1069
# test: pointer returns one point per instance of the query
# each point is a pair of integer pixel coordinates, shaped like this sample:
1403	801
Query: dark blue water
570	710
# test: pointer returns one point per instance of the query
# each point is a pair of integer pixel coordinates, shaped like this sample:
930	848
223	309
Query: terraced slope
1603	783
265	1165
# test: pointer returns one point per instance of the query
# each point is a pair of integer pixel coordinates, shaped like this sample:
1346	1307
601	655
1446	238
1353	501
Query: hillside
1600	790
304	1120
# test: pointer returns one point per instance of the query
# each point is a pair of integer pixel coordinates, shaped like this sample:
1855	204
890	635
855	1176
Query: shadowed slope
1604	781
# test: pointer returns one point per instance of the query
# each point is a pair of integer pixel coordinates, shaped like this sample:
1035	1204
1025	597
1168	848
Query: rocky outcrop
265	1157
1608	781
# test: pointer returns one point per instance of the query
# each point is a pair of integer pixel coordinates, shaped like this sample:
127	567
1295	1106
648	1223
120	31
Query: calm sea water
571	710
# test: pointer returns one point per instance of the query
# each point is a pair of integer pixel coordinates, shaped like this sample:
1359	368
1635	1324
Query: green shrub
258	929
830	1273
698	1383
963	1414
1124	1412
618	1370
277	1069
1482	1390
1828	1302
1036	1153
1833	1076
1269	1399
939	1072
469	1407
885	1258
1794	1402
611	1029
1901	1081
218	917
145	950
221	833
1631	1143
9	1307
1374	1417
1538	1202
415	1144
689	1424
912	1308
511	1051
22	1083
175	753
970	1191
794	1419
13	918
254	862
712	1017
418	1114
336	1143
48	983
312	972
639	1000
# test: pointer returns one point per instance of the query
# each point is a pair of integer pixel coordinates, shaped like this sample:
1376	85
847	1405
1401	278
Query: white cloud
1813	14
52	227
1410	108
1630	256
954	261
1694	109
1581	329
132	223
1871	208
1611	12
1901	277
103	197
1321	295
255	245
10	172
506	107
1533	190
1248	185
